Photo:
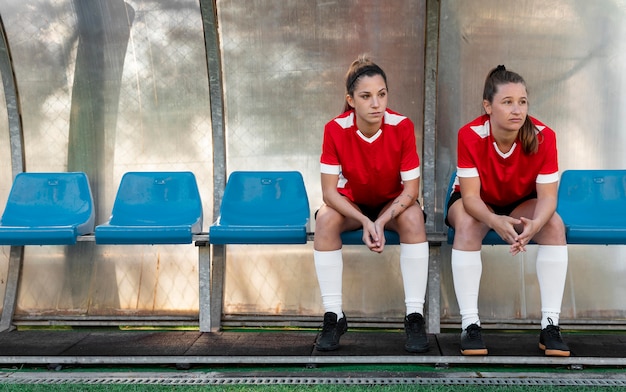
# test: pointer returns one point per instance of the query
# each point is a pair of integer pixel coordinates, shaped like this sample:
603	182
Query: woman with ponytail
370	175
507	181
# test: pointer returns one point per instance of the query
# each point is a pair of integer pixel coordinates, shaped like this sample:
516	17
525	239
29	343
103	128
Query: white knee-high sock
329	269
467	268
414	267
551	267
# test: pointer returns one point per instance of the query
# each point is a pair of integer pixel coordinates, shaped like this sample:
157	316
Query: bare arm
476	207
401	203
396	208
336	201
339	203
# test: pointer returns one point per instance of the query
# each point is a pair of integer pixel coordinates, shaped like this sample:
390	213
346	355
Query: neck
368	129
505	140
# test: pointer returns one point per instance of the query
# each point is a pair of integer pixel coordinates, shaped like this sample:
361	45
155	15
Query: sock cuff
466	258
414	250
331	257
552	252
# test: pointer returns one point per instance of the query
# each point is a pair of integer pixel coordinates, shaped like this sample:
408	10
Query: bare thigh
468	231
552	233
329	224
409	225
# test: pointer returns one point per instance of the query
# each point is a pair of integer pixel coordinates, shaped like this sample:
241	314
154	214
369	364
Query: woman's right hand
504	225
373	237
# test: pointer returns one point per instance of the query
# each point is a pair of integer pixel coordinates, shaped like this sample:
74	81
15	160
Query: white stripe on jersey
345	122
547	178
393	119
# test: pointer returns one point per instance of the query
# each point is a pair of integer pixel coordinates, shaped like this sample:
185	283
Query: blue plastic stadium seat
153	208
592	204
47	209
262	207
492	238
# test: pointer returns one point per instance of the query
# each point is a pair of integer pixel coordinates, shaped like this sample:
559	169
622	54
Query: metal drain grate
200	379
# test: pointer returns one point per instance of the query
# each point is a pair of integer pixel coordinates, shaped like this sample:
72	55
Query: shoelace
554	331
473	332
414	326
329	326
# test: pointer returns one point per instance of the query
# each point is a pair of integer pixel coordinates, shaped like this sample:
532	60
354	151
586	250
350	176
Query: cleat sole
477	351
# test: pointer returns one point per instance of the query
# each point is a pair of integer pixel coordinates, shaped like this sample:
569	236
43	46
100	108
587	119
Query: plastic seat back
592	204
47	209
154	208
262	207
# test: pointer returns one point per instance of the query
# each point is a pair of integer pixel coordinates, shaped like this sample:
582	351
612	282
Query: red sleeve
410	158
465	160
329	148
550	165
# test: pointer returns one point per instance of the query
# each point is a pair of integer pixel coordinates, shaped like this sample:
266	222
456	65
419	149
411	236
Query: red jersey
505	177
370	170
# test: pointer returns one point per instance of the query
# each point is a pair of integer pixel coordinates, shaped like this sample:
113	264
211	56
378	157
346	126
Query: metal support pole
429	158
9	84
204	269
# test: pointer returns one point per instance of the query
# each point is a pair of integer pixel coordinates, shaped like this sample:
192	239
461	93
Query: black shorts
372	212
499	210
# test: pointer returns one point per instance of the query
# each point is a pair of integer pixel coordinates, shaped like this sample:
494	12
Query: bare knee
468	233
552	233
328	227
410	226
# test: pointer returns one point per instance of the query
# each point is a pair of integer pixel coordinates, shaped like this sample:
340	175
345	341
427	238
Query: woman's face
369	102
509	108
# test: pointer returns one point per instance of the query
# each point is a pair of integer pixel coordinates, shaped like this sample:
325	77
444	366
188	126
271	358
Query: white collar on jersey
370	139
504	155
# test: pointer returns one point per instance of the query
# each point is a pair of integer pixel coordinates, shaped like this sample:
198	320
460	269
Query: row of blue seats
58	208
158	208
258	207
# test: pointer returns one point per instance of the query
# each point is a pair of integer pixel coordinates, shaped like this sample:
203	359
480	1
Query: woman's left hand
522	239
376	236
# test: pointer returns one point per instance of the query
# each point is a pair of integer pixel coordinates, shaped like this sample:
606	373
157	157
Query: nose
375	102
516	108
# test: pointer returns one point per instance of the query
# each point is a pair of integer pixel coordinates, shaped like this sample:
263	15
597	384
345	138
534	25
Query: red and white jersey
370	170
505	177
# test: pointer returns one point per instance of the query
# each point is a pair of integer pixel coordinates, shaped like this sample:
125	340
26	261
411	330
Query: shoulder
543	131
478	128
394	118
342	122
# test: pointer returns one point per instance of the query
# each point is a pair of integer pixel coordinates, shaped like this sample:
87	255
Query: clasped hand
505	227
374	236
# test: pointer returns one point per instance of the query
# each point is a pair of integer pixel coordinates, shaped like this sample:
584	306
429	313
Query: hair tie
500	68
373	68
